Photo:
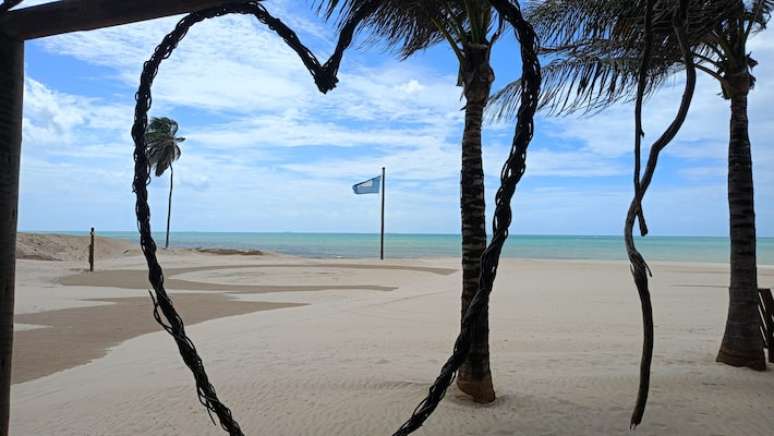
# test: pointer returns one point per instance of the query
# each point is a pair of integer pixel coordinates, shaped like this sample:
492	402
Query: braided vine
639	268
510	176
325	79
642	81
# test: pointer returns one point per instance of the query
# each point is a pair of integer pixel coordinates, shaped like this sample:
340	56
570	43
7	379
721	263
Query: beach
303	346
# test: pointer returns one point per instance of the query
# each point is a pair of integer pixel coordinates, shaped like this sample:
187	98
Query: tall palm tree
163	148
595	47
470	28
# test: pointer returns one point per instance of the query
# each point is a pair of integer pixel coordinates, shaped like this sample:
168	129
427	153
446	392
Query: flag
370	186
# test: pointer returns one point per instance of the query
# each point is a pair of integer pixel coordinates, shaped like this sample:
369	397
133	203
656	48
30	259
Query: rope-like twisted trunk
510	176
325	78
639	268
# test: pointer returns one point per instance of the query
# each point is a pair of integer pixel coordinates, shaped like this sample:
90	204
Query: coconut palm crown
163	147
414	25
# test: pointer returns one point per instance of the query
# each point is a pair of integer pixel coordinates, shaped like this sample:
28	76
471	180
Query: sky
266	152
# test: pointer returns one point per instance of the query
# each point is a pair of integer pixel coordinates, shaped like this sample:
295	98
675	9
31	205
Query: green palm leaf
162	146
593	48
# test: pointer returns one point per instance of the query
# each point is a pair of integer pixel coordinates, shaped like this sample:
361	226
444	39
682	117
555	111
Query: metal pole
11	94
384	182
91	251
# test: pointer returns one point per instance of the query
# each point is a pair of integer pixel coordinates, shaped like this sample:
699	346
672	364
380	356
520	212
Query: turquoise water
682	249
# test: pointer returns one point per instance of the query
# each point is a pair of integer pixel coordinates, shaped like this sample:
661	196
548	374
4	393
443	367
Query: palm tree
471	28
163	148
595	47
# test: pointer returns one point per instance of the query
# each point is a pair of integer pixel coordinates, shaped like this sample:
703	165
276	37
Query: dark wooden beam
11	94
67	16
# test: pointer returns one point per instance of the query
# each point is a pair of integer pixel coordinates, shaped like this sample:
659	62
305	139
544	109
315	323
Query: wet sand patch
75	336
138	279
426	269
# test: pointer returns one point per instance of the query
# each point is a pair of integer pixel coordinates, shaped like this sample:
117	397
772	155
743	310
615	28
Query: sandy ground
320	347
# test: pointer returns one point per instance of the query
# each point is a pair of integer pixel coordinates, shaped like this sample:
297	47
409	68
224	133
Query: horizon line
386	233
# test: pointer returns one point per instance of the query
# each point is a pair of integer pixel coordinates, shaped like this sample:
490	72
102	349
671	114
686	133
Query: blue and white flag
370	186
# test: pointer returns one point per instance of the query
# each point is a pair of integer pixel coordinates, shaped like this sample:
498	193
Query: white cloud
55	118
267	151
411	87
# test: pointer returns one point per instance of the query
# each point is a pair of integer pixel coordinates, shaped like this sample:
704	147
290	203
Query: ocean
359	245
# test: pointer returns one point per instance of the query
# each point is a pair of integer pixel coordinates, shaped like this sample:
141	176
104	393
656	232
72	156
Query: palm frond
414	25
758	15
593	48
586	78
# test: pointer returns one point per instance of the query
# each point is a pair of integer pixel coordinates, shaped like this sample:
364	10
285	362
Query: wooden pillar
91	250
767	313
11	92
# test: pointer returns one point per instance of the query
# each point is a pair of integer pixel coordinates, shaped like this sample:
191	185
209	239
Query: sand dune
50	246
38	246
565	342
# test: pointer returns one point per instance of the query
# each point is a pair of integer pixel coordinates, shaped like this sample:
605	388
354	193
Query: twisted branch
325	79
639	268
510	176
641	85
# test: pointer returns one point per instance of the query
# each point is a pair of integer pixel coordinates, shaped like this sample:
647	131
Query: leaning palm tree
163	148
594	49
470	28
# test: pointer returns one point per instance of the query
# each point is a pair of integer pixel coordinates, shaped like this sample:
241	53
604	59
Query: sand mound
70	248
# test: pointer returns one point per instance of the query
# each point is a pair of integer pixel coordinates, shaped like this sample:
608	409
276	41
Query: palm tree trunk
11	86
742	342
474	377
169	207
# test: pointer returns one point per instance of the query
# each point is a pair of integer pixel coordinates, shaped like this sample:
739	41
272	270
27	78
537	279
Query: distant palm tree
471	28
594	48
163	148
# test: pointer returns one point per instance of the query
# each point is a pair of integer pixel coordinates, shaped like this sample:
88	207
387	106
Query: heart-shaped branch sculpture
325	79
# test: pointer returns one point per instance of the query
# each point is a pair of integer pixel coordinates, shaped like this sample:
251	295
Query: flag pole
381	253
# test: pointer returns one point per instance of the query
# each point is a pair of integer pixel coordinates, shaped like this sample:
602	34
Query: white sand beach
301	346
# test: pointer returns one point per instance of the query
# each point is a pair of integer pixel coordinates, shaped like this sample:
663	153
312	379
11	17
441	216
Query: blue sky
265	151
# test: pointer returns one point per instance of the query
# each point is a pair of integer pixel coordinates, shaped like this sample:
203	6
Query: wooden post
767	312
11	94
91	251
384	184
